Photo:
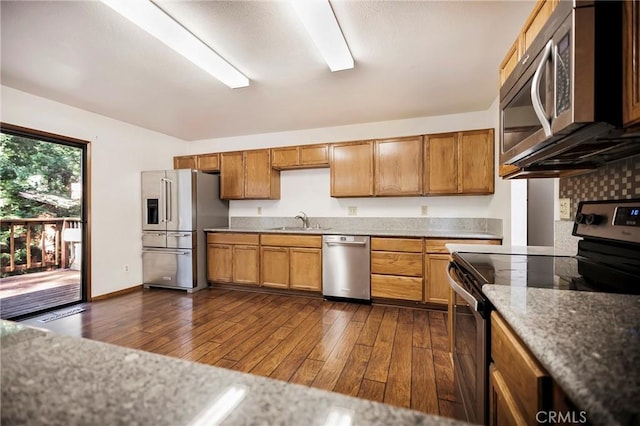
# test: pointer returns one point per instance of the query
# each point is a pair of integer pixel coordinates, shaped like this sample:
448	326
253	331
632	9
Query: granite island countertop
50	379
588	342
453	234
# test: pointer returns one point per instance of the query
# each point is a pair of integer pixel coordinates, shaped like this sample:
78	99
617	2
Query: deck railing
34	244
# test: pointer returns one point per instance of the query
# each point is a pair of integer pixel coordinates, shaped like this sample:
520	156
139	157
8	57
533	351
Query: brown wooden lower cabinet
274	267
305	269
291	261
437	285
233	257
396	268
503	410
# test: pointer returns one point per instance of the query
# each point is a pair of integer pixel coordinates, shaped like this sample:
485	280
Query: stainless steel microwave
561	107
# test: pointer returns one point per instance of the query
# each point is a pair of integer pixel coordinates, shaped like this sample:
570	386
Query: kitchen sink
297	228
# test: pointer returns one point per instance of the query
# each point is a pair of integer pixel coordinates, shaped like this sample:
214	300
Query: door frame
86	189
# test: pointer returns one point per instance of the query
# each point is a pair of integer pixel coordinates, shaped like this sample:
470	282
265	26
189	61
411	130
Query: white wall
308	190
119	151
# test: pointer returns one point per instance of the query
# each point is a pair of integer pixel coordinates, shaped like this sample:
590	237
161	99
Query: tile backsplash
619	180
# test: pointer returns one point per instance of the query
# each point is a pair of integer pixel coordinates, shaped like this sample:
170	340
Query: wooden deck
388	354
23	294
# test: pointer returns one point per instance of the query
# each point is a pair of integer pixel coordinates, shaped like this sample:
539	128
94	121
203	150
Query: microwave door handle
535	91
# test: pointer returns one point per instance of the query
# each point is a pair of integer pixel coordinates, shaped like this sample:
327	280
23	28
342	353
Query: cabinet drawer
280	240
231	238
393	287
391	263
409	245
522	374
436	245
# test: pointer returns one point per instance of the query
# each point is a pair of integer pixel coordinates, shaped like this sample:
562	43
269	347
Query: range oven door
470	347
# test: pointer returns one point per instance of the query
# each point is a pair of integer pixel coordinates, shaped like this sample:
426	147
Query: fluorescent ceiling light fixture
156	22
319	20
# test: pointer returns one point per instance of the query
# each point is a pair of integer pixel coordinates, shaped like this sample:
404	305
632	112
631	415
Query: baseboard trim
117	293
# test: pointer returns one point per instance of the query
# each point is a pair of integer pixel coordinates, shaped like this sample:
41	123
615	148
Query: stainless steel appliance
608	260
561	108
346	267
177	205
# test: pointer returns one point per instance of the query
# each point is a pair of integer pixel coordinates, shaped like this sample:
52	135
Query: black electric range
608	260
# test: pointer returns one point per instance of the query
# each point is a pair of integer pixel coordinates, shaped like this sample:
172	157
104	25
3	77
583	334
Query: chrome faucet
305	220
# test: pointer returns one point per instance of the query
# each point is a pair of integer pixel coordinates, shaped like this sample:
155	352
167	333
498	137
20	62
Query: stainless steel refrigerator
177	205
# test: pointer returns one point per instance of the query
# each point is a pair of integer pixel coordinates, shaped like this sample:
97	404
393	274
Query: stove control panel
617	220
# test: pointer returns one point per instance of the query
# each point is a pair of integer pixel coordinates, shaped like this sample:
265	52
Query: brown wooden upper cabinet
398	166
208	162
459	163
351	169
631	59
300	157
532	26
185	162
202	162
248	175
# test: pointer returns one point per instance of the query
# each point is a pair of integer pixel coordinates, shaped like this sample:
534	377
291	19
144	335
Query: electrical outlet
259	211
423	210
565	208
352	211
126	268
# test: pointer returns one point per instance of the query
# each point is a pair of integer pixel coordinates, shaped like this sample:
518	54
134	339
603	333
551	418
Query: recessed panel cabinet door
219	263
245	264
274	266
441	164
352	169
436	284
305	269
476	162
260	180
231	175
398	166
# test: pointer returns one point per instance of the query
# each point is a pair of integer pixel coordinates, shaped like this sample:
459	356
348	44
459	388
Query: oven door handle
460	290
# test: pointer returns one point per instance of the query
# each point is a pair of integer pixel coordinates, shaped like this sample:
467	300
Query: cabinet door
305	269
540	15
398	166
231	175
509	62
437	283
219	263
245	264
631	60
441	164
209	162
314	155
352	169
282	158
259	177
274	267
476	162
184	162
503	410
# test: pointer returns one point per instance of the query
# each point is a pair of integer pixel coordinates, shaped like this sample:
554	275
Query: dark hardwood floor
390	354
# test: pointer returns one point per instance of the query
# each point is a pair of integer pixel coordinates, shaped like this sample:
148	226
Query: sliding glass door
43	229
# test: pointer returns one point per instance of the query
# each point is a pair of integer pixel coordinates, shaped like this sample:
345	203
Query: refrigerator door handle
168	196
179	253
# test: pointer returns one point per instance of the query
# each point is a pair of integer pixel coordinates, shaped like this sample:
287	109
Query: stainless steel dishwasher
346	267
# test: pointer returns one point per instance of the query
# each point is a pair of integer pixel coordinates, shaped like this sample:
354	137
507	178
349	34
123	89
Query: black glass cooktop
554	272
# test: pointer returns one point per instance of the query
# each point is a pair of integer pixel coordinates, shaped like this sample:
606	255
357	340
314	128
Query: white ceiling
412	59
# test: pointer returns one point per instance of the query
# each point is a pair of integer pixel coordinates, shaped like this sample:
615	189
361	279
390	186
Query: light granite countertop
50	379
588	342
462	234
533	250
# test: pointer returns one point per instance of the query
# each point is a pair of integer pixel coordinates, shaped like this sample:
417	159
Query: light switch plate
352	211
565	208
